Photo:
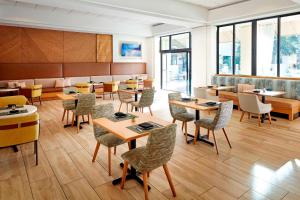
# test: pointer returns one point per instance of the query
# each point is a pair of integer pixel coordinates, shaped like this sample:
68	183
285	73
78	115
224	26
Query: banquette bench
48	75
287	104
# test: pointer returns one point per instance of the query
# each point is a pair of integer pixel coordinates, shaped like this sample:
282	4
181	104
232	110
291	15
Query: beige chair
124	97
249	103
203	93
146	100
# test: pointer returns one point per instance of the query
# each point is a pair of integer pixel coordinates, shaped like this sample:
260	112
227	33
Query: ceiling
212	4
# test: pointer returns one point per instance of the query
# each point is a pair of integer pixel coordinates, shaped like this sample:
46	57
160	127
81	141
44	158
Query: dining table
197	104
264	94
221	88
129	131
24	110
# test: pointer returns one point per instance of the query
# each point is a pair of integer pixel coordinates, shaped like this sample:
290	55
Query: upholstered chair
180	113
68	105
124	97
83	87
111	88
203	93
132	84
146	100
20	130
157	152
18	100
220	121
102	135
84	107
249	103
33	92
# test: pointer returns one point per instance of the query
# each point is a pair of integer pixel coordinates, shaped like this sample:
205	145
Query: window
290	46
267	47
165	43
226	50
243	48
180	41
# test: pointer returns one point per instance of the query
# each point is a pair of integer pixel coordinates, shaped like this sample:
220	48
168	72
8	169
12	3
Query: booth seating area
54	77
288	103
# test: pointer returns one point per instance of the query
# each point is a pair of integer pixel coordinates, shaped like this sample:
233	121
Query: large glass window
165	43
290	46
226	50
243	48
267	47
180	41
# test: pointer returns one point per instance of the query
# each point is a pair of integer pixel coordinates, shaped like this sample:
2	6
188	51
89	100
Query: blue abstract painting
131	49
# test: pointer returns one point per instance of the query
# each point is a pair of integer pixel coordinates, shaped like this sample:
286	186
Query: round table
31	109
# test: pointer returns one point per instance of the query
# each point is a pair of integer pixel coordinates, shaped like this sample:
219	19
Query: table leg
263	99
136	99
15	148
201	138
132	173
217	92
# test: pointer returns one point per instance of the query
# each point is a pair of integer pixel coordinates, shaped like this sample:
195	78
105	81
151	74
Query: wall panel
42	46
79	47
104	48
10	44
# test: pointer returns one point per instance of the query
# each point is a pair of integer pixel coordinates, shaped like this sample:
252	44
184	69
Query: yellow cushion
20	135
18	100
83	87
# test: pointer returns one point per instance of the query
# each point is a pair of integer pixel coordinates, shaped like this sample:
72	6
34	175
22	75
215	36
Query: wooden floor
263	164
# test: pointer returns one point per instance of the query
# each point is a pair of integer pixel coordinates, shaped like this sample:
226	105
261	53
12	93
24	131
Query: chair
68	104
157	152
83	87
146	100
124	97
18	100
32	92
132	84
111	88
220	121
102	135
180	113
250	104
148	84
203	93
84	107
20	130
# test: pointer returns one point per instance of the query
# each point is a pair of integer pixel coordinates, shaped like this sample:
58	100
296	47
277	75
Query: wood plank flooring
264	163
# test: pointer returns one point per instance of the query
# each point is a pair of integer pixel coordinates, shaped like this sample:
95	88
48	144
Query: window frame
254	42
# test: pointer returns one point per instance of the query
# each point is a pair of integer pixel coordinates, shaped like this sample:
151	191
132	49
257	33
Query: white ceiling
211	4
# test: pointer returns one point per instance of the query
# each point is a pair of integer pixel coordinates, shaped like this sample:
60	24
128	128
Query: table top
31	109
9	89
266	93
131	91
120	129
67	96
193	105
222	87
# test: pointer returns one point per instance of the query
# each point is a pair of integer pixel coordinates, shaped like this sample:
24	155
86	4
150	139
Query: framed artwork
131	49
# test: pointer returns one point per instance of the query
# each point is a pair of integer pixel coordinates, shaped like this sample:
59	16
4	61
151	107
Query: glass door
176	72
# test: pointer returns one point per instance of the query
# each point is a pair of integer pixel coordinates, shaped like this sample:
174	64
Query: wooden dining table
221	88
121	130
197	106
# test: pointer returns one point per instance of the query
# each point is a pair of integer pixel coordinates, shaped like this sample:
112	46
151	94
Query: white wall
118	39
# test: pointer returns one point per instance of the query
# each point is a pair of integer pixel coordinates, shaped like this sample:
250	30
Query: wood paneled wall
27	45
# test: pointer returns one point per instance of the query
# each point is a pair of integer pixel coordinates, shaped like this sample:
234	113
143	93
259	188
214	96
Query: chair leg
73	119
148	174
127	107
109	161
96	151
150	111
125	168
115	150
82	116
67	116
226	137
129	145
63	117
182	126
196	134
169	179
88	118
120	106
145	179
259	120
208	133
78	124
243	113
269	116
40	100
249	115
174	120
185	131
132	108
213	132
36	152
